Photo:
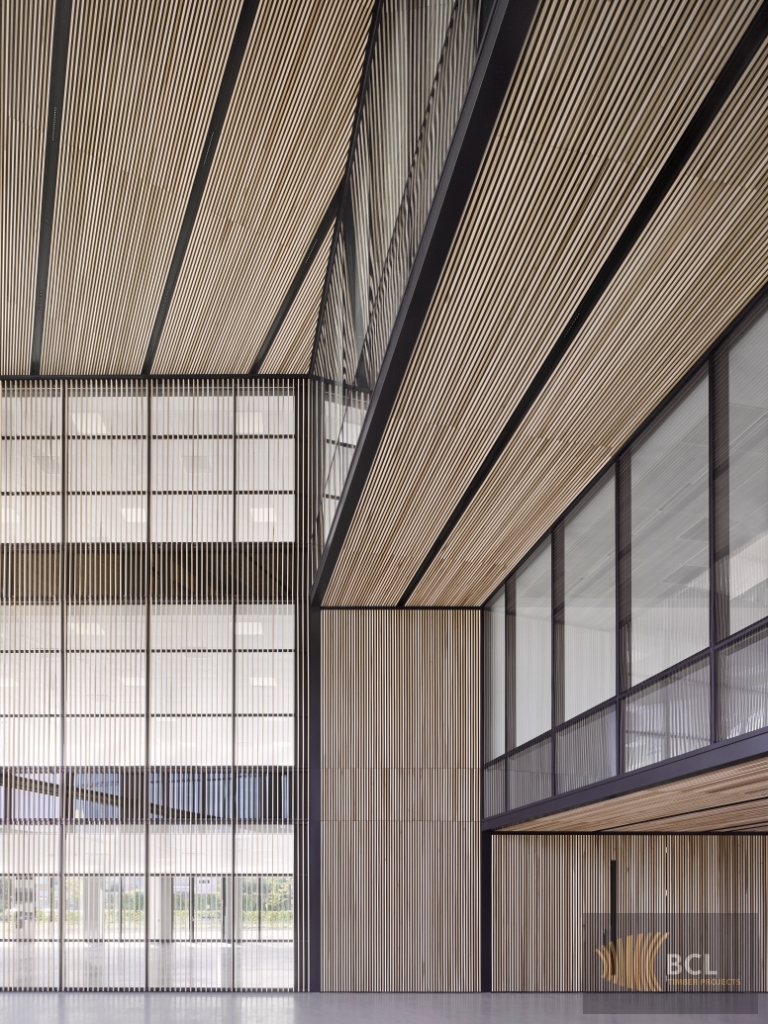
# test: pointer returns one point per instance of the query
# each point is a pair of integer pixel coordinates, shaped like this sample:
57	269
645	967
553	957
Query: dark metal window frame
712	364
278	778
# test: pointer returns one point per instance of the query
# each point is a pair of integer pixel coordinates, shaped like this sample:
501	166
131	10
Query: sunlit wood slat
281	155
701	260
142	81
291	348
602	95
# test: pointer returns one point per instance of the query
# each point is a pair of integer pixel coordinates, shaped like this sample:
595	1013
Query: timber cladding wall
544	884
400	800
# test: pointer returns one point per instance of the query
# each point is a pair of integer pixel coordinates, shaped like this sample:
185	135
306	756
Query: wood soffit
728	799
573	155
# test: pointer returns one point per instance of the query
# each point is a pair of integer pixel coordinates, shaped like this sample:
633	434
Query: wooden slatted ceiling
142	81
728	799
291	349
281	155
26	34
603	93
702	258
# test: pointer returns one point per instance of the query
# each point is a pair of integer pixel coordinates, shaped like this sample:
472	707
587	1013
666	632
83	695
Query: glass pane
529	775
533	646
493	789
670	537
494	709
667	719
742	680
748	477
590	601
585	752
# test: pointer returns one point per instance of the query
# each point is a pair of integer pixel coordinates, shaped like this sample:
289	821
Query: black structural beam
696	762
494	69
61	22
227	87
298	281
713	102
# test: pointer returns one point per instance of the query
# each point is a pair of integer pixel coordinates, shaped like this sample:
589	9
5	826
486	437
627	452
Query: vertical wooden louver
400	800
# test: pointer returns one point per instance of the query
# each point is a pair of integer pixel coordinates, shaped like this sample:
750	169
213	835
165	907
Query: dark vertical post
234	583
612	908
510	656
486	911
315	806
147	664
623	589
711	408
617	622
558	639
556	603
63	787
719	516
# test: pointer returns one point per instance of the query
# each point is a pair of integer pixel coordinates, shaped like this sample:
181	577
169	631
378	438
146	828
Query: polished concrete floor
74	1008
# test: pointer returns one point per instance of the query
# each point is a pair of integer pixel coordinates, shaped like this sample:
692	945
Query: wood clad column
400	857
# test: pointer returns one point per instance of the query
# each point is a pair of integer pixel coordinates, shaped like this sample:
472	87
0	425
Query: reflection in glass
533	645
670	537
747	473
668	718
590	601
742	682
495	685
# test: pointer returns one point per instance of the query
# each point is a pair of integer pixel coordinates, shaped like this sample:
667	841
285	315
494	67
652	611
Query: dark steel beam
494	70
298	281
226	89
713	102
61	22
697	762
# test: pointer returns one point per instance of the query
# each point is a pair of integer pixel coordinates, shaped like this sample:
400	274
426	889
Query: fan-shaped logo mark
631	962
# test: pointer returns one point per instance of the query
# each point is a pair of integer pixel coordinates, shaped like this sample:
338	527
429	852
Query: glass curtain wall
422	61
31	456
147	685
636	630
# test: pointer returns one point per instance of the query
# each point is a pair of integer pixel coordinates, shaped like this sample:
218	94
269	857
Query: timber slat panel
279	160
543	886
602	95
142	81
702	258
291	348
400	800
26	35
